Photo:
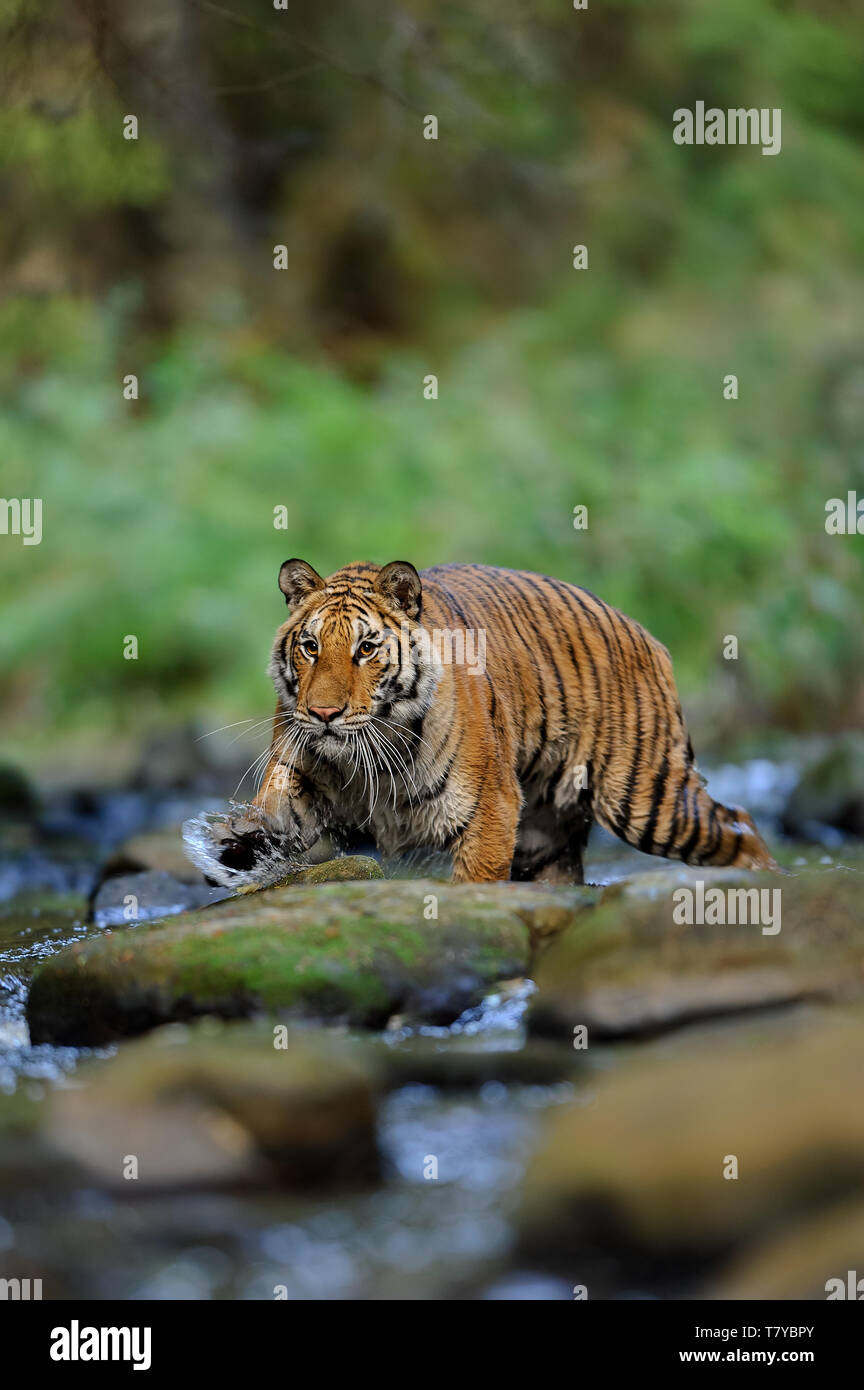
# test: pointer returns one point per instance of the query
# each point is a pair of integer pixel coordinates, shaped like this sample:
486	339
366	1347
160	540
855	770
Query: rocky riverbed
370	1083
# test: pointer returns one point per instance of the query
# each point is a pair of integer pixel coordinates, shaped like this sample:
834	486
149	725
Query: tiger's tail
682	821
711	833
700	830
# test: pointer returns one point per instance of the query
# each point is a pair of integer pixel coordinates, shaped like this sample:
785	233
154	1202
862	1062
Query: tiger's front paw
239	850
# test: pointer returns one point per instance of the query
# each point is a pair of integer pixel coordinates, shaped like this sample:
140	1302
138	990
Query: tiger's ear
399	583
297	580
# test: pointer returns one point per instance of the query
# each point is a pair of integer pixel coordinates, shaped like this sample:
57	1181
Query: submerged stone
456	1063
32	923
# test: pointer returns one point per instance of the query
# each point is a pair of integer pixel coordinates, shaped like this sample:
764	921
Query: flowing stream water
408	1238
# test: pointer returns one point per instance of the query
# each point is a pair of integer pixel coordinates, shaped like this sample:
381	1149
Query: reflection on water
417	1237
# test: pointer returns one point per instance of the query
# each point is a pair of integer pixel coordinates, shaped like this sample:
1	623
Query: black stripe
441	782
680	800
493	703
735	849
543	732
658	792
623	823
695	835
706	855
564	591
550	657
504	617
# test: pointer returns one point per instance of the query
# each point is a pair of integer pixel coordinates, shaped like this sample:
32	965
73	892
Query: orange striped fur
575	718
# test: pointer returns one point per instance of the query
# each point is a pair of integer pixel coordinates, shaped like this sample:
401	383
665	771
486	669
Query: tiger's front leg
257	844
483	851
287	805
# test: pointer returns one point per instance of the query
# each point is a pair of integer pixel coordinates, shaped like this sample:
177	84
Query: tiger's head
346	658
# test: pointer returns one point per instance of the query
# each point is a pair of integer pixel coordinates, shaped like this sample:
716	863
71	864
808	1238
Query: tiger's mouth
343	733
334	728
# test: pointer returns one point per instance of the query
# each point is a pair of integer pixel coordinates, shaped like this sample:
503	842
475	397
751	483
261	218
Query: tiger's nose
325	712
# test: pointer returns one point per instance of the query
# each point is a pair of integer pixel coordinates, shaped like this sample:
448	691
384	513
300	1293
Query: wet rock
354	951
467	1063
410	1238
162	852
546	921
630	1181
141	897
629	969
159	850
214	1106
830	792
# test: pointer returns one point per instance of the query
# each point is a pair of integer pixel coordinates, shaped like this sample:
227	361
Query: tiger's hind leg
550	843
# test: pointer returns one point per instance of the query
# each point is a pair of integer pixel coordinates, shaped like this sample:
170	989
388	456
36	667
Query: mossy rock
629	969
642	1173
351	951
350	868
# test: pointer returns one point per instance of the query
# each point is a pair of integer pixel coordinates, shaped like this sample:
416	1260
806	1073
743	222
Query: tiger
488	713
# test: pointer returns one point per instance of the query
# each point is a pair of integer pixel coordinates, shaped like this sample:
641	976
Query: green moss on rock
349	868
353	951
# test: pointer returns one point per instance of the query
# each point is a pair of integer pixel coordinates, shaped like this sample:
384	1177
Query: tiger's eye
366	648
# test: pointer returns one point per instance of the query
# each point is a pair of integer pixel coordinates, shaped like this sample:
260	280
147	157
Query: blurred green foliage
304	388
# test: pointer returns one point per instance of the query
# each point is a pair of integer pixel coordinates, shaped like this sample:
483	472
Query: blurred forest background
303	387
